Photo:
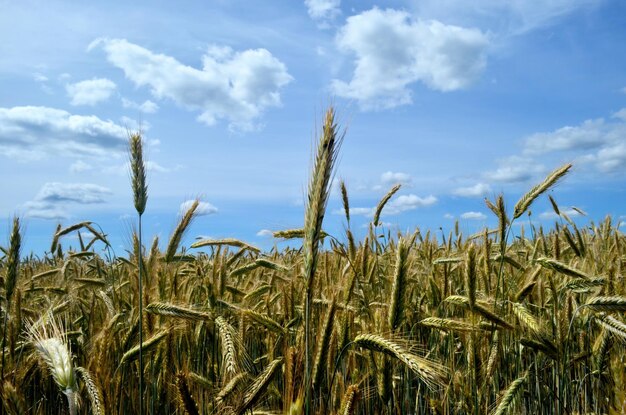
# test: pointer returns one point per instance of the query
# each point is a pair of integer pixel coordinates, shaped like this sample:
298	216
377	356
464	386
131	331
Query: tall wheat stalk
318	192
10	279
140	195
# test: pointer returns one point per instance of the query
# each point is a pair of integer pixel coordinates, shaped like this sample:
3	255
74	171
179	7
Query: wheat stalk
317	198
171	310
259	385
179	232
508	399
95	396
383	202
609	304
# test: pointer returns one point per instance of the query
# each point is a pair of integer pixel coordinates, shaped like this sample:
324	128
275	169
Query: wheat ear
524	203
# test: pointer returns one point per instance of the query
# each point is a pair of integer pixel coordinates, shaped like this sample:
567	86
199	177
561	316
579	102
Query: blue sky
456	100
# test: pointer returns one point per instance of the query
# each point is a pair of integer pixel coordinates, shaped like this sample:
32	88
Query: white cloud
80	166
611	158
38	77
599	142
408	202
393	51
45	211
448	216
322	10
479	189
396	206
40	132
90	92
381	224
147	107
550	214
203	209
52	200
515	169
124	168
473	216
356	211
265	233
589	135
82	193
390	178
512	17
235	86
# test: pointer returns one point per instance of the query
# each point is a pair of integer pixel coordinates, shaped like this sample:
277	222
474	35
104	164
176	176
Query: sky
455	100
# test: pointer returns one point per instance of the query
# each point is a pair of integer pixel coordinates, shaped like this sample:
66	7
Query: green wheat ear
138	172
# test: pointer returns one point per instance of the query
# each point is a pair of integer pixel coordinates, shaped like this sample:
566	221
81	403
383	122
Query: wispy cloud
393	50
235	86
41	132
147	107
515	169
507	18
124	168
323	11
53	199
479	189
473	216
390	178
90	92
80	166
203	209
265	233
549	214
395	206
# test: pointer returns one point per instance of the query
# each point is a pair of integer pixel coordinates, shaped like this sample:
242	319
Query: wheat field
517	320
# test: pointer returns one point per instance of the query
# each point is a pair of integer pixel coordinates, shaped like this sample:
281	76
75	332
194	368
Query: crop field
511	320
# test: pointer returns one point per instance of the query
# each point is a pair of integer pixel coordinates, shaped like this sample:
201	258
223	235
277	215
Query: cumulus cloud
82	193
550	214
393	50
515	169
479	189
408	202
323	10
203	209
396	206
39	132
265	233
90	92
611	158
390	178
473	216
80	166
147	107
589	135
599	142
53	199
234	86
45	211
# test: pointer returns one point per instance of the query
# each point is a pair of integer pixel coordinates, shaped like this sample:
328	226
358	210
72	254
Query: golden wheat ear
524	203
